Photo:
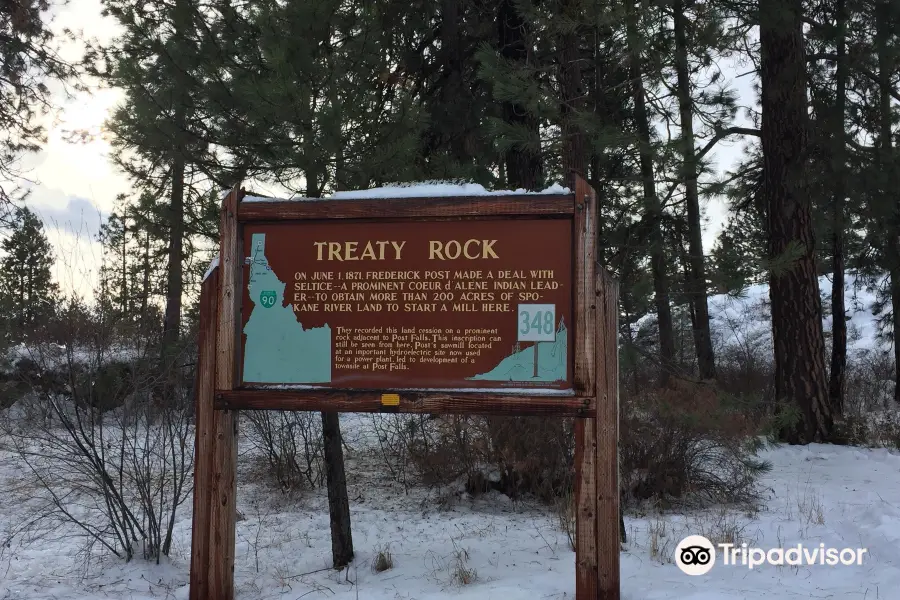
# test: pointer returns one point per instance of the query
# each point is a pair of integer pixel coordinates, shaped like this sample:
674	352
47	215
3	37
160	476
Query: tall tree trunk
652	206
523	165
124	289
174	269
338	502
893	253
182	21
793	286
145	294
839	173
883	30
573	155
453	94
696	275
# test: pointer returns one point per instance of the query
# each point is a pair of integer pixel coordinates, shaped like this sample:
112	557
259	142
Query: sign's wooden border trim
469	403
533	205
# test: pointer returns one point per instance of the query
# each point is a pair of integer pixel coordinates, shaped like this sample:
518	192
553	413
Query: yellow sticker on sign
390	399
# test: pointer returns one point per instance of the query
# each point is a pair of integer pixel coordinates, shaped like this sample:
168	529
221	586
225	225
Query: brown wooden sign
445	304
457	305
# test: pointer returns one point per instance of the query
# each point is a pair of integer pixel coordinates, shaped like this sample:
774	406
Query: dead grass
383	560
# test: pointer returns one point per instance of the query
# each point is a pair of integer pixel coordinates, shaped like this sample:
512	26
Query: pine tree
830	77
299	104
517	130
159	132
28	59
800	380
887	16
652	206
29	294
699	31
134	261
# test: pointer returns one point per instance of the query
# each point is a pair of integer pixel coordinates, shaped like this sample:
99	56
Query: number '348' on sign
537	323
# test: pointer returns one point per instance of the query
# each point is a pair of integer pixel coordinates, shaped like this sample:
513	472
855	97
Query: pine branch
864	70
722	134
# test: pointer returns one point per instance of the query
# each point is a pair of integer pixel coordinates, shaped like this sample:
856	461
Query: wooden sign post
454	305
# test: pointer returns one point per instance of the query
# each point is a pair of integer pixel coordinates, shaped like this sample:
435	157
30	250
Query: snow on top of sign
438	189
212	266
510	390
427	189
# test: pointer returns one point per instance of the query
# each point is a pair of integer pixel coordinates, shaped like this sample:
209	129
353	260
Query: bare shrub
684	446
291	443
567	517
461	573
111	457
445	448
661	540
514	456
399	437
720	526
689	445
869	383
871	417
383	560
533	455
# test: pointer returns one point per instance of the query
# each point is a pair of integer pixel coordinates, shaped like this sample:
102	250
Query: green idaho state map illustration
520	365
278	348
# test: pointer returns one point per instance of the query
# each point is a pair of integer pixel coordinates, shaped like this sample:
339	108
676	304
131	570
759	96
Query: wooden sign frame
593	401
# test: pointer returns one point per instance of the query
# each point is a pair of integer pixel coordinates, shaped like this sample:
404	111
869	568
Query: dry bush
512	455
291	445
446	448
687	445
460	572
534	456
109	456
684	445
869	385
567	517
872	430
383	560
399	437
870	418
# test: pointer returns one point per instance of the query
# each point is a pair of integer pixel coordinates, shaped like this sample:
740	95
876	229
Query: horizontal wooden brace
531	205
481	403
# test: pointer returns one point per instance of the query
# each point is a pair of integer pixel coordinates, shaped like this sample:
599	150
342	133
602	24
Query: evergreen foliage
28	294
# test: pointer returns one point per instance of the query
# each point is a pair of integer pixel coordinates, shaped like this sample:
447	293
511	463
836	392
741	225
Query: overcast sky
75	185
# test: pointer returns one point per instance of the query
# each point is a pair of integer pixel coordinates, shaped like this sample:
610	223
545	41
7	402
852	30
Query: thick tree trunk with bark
338	503
894	257
523	166
453	94
839	174
800	379
883	21
651	203
174	269
573	155
145	293
696	275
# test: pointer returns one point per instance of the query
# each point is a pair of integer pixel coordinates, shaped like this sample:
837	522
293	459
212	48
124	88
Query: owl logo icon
695	555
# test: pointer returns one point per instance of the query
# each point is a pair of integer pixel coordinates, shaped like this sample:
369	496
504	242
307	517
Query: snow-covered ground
839	496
